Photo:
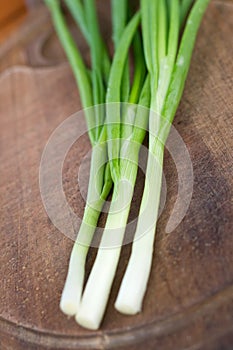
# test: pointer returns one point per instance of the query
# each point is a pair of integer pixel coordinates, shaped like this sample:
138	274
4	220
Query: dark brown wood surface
189	302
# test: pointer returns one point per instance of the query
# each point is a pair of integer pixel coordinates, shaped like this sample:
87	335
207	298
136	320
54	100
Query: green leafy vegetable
162	50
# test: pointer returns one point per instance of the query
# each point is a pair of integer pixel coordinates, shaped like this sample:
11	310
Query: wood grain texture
9	10
189	302
12	14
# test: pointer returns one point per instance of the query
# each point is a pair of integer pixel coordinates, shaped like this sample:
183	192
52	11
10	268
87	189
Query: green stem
99	187
119	10
95	43
184	9
79	14
113	118
127	123
140	69
135	280
99	283
76	62
183	59
133	286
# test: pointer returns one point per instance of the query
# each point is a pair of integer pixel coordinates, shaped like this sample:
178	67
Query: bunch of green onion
162	35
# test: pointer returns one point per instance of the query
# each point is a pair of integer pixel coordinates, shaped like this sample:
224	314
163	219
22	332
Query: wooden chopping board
189	302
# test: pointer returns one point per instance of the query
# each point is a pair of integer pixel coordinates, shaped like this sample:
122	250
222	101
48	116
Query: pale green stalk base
99	284
98	183
133	287
71	294
73	288
134	283
97	291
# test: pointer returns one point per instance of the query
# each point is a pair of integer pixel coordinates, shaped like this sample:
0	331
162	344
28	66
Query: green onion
162	52
96	197
113	118
135	280
99	283
119	20
184	9
124	174
76	61
79	14
100	180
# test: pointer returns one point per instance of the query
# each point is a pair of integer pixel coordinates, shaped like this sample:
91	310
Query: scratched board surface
188	304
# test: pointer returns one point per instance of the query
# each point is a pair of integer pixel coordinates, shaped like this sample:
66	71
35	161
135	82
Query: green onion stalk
97	290
168	66
123	158
100	182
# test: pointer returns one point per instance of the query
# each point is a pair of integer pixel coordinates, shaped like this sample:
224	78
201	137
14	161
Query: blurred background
12	14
